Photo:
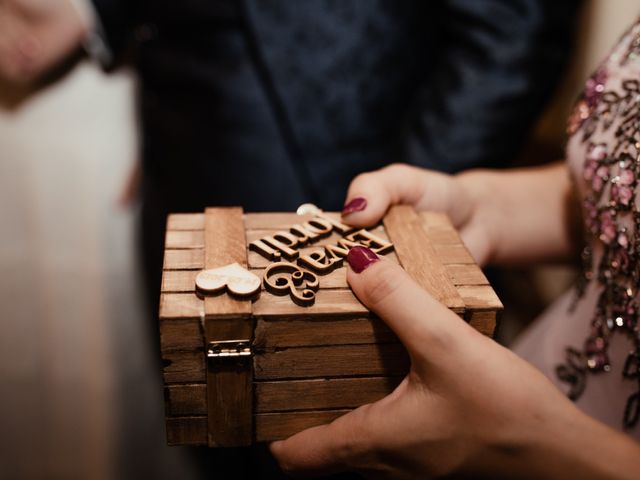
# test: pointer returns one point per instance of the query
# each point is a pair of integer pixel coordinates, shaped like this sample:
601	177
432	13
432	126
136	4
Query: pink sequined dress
588	342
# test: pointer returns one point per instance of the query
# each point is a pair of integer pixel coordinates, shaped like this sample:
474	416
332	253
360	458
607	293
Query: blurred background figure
80	391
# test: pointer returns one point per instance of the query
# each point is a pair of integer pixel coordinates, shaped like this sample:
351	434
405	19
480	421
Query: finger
370	194
421	323
324	449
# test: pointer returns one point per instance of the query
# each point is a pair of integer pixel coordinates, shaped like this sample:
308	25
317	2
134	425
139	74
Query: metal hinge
229	350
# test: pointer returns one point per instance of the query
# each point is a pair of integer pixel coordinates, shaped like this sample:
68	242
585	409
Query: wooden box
238	370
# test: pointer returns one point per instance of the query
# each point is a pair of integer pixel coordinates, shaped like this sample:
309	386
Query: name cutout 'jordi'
325	258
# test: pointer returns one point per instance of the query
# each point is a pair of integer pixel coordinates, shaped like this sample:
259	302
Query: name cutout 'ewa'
326	258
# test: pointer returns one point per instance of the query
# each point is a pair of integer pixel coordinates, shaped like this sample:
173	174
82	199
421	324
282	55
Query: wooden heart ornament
237	279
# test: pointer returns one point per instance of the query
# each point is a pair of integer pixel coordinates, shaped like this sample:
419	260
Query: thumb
421	323
371	194
324	449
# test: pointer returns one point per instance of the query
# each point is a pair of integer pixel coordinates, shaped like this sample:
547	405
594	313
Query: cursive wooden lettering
369	240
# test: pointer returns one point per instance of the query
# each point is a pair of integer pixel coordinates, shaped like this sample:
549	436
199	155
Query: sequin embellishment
611	217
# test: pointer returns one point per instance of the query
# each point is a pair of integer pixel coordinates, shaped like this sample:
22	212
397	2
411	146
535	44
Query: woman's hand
374	192
467	405
504	217
35	35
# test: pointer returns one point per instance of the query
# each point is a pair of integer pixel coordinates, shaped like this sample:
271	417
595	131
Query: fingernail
355	205
360	258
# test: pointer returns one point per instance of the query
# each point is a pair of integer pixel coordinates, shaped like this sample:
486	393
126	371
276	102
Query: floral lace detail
611	217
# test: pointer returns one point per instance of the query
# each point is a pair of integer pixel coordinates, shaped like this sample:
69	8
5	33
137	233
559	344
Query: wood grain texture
229	384
184	239
185	221
332	361
230	404
311	364
485	322
225	243
184	259
273	220
181	334
322	394
277	426
180	305
185	400
186	430
469	274
183	366
276	333
328	302
418	257
436	221
457	253
289	395
179	281
480	297
269	426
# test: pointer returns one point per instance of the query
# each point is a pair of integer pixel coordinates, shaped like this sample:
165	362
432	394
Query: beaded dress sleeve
588	342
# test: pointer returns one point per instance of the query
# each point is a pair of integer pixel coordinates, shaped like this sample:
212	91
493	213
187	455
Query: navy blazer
272	103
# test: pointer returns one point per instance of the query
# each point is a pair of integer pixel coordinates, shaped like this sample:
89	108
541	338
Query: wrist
566	443
481	193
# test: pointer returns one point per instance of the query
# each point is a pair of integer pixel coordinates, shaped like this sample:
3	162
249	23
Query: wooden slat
183	366
417	255
186	430
485	322
322	394
480	297
224	244
185	400
325	361
443	237
334	361
181	334
317	332
229	385
269	426
328	302
290	395
273	220
184	259
179	281
436	220
184	239
469	274
185	221
458	254
277	426
180	305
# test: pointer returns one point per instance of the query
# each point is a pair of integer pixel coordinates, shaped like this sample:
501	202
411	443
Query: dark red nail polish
360	258
355	205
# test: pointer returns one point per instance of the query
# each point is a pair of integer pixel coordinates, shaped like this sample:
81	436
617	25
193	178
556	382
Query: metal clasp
229	350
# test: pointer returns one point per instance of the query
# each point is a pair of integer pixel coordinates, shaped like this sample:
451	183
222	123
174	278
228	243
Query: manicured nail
355	205
360	258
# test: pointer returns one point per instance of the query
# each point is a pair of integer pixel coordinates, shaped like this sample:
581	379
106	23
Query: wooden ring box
243	370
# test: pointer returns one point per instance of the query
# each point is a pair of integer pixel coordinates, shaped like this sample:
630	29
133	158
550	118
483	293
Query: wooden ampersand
282	278
237	279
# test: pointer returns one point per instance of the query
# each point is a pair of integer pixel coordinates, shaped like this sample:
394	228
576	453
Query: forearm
528	214
578	446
